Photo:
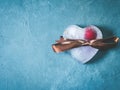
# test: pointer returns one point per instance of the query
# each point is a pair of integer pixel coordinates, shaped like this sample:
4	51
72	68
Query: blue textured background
29	27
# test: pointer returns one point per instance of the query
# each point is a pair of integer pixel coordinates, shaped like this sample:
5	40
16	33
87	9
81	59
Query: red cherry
90	33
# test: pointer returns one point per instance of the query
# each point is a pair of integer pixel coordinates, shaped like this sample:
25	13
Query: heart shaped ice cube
85	53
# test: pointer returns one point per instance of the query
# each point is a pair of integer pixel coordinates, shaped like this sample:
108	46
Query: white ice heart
85	53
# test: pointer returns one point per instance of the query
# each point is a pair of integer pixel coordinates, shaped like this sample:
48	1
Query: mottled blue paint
29	27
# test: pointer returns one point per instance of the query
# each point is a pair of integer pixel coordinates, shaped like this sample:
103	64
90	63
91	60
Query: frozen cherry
90	33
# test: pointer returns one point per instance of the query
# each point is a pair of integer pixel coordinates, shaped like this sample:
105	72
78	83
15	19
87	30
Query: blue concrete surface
29	27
